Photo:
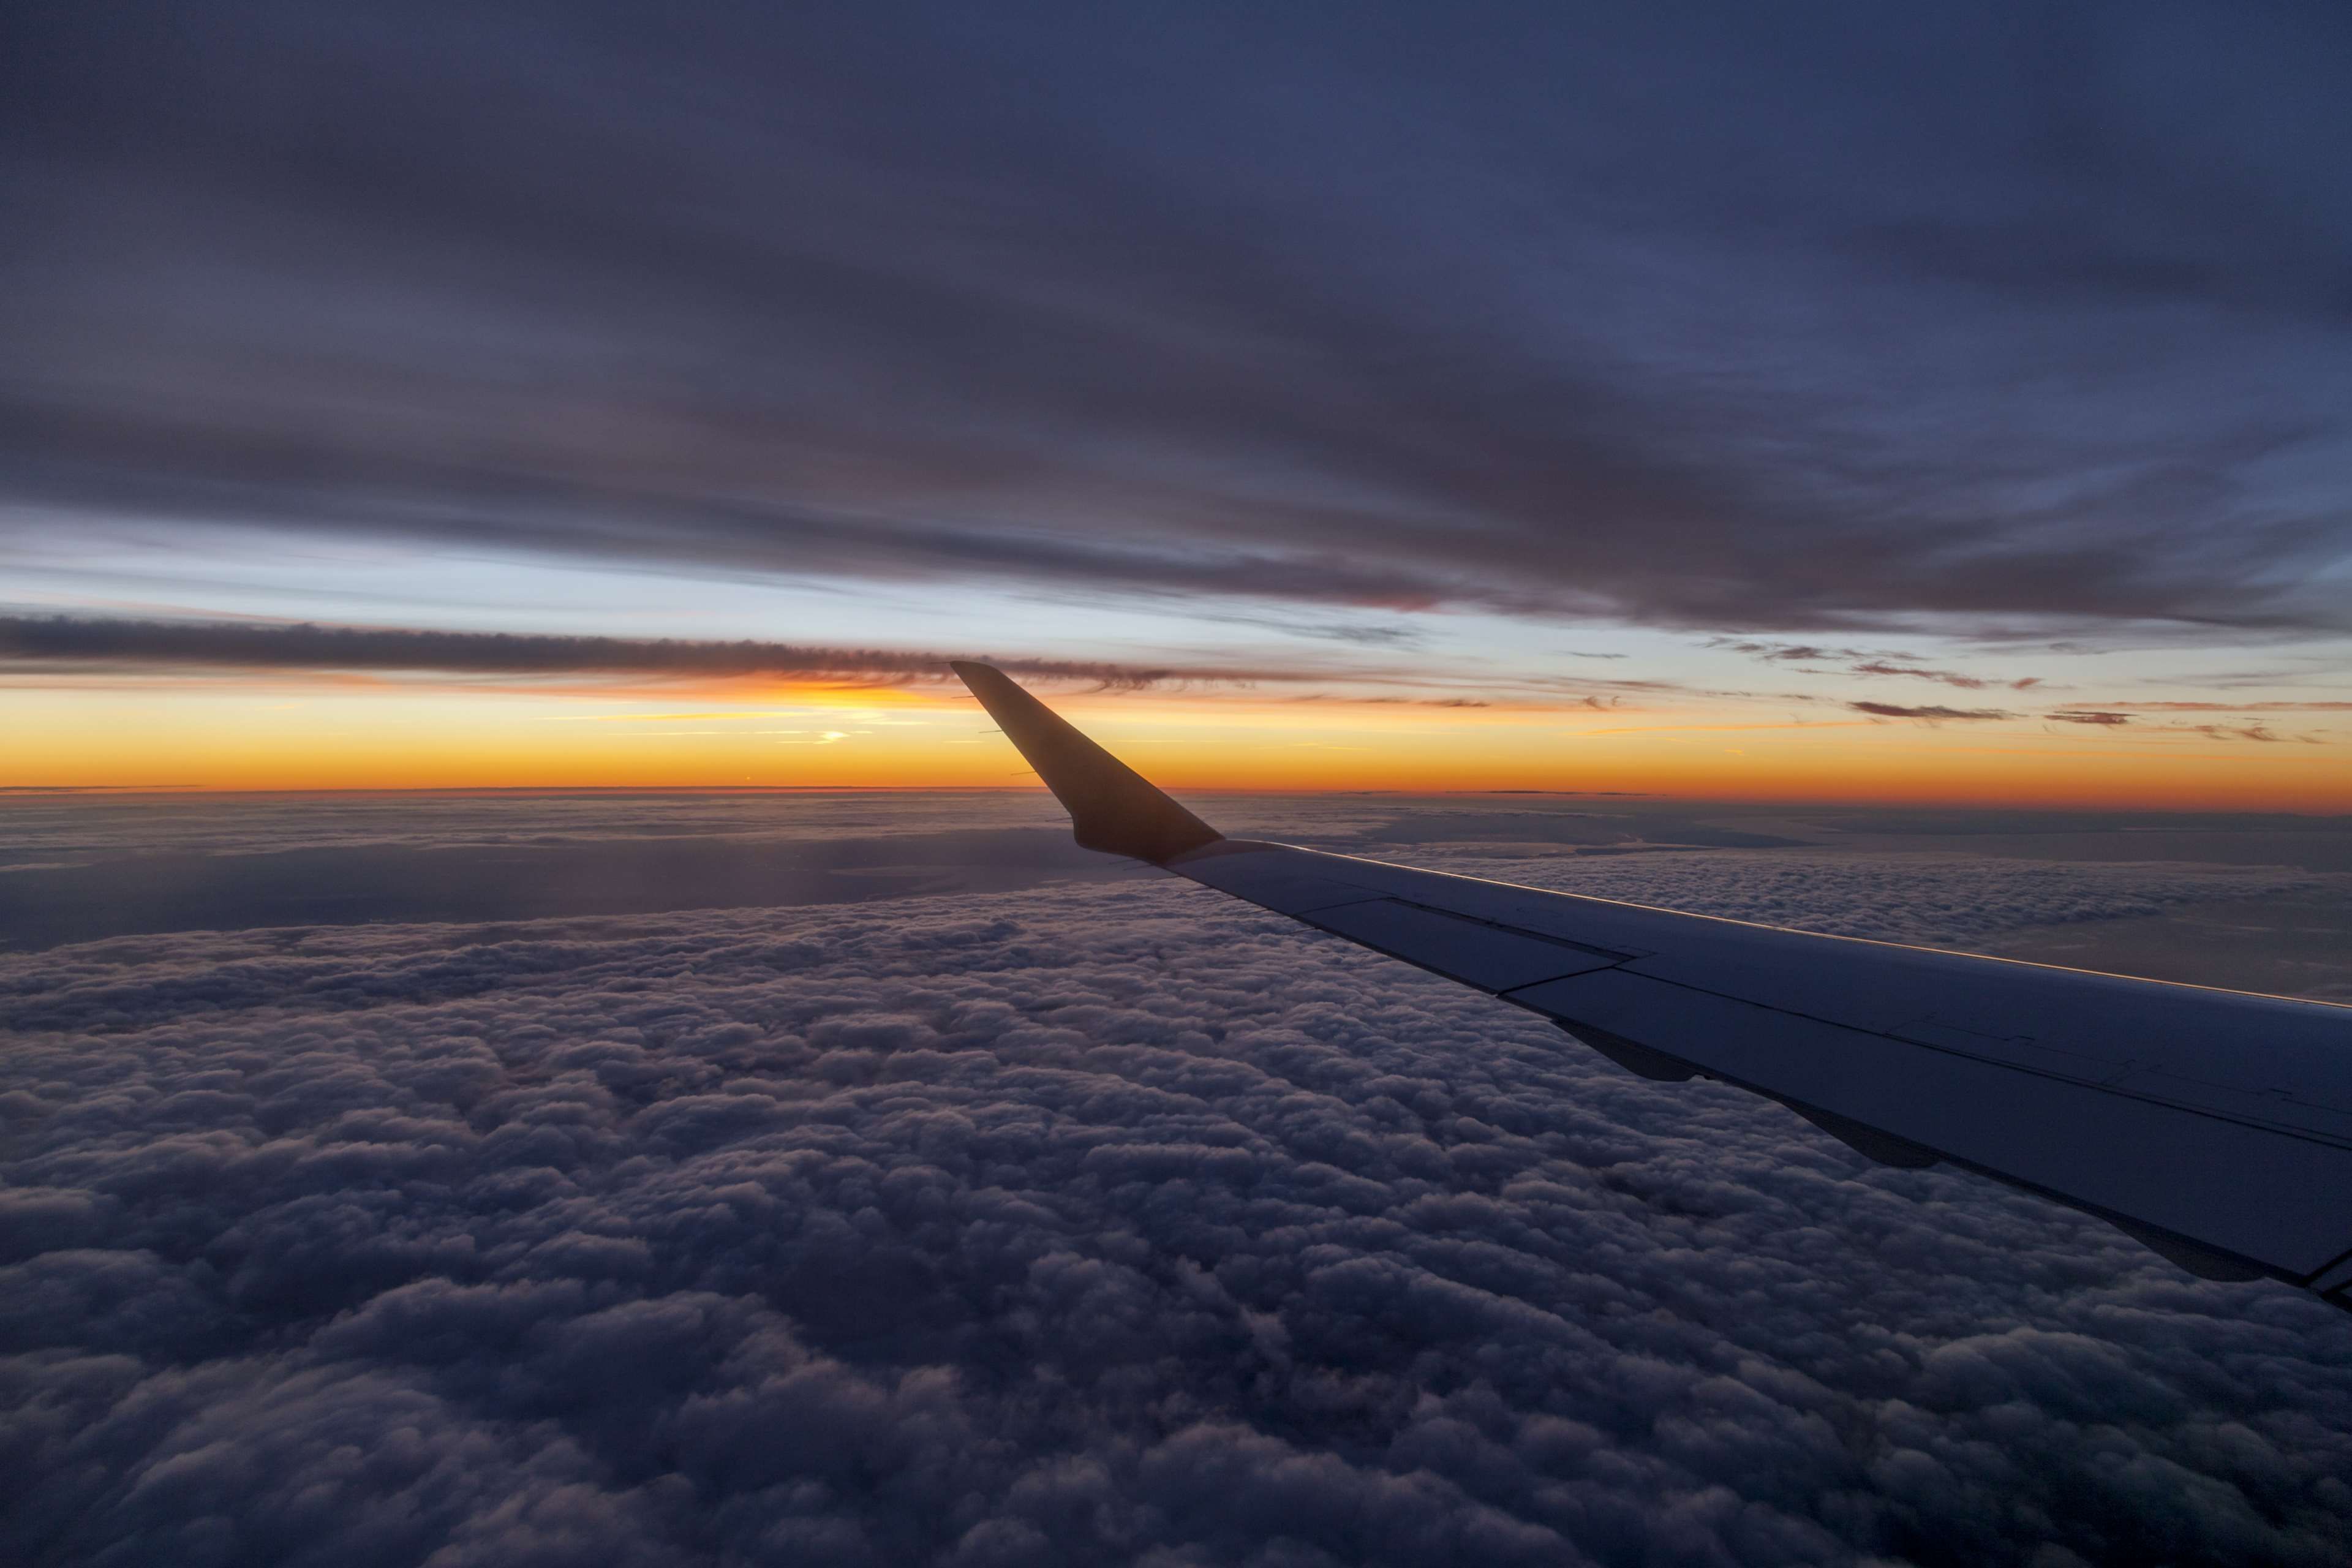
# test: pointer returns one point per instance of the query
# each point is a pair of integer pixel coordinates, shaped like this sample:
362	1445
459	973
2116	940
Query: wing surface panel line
2283	1130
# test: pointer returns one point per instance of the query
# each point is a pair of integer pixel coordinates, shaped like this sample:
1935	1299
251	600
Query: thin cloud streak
1862	661
1680	729
1945	676
1933	712
69	643
2260	732
58	650
2271	707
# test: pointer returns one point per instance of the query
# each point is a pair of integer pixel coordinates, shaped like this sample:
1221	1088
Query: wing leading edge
2215	1126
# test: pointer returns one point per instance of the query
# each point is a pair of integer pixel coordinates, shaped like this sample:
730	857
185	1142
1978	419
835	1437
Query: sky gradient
1934	403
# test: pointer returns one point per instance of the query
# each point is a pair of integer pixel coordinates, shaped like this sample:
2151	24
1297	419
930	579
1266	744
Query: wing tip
1112	808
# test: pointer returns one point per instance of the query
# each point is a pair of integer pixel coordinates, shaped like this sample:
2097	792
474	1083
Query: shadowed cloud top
1103	1224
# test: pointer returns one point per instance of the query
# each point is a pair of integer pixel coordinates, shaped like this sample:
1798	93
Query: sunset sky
1754	601
1866	409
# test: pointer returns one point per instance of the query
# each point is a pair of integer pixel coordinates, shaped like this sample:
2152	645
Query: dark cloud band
1930	710
53	643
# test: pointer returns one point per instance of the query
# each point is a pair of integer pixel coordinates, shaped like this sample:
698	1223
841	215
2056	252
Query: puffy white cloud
1113	1222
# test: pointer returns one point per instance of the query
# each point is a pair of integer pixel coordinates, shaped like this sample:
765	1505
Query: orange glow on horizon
301	735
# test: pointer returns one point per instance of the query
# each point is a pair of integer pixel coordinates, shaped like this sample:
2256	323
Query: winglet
1112	808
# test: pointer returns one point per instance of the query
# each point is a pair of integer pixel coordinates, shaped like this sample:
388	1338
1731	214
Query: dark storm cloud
56	642
1731	317
1109	1224
1930	711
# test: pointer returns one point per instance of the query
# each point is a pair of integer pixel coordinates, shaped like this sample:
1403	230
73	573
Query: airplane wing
2215	1126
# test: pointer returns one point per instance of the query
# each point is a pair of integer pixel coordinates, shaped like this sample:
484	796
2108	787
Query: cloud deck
1059	1227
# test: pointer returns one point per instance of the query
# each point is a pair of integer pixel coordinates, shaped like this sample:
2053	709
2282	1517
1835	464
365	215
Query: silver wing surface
2215	1126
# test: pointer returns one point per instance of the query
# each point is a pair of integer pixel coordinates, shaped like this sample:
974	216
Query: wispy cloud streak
1932	711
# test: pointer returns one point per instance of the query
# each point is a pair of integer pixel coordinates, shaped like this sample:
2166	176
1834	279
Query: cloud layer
1930	711
67	642
1113	1222
1733	318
